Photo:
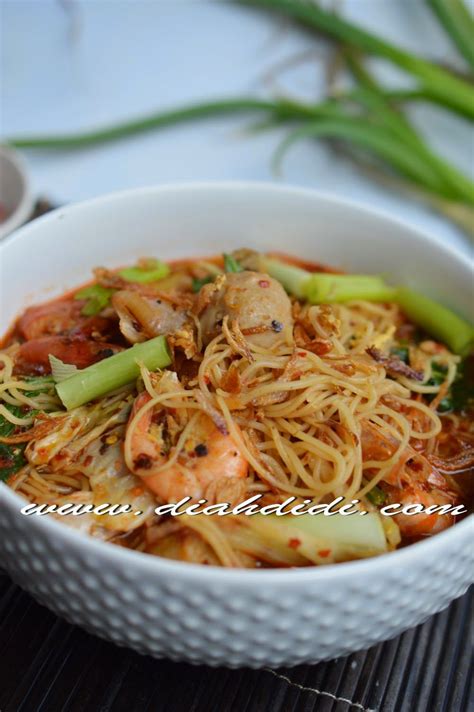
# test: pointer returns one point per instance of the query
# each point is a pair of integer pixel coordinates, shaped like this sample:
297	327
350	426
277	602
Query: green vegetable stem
436	319
113	372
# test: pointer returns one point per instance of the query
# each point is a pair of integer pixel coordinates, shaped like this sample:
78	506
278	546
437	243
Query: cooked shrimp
424	523
207	456
33	356
412	480
59	317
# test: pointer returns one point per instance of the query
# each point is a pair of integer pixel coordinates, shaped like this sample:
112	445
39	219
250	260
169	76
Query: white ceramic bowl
15	193
206	614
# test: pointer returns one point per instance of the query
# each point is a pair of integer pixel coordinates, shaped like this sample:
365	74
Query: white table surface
77	64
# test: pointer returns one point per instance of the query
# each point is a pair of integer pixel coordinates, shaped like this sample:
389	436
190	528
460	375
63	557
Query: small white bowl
207	614
15	193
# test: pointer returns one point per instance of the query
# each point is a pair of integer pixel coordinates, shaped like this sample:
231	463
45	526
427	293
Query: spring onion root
113	372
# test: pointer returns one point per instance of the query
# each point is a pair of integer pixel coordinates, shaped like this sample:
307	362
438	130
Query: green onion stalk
113	372
364	120
458	23
321	287
441	86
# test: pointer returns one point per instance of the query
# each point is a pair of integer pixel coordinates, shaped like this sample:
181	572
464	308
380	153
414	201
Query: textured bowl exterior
232	618
206	614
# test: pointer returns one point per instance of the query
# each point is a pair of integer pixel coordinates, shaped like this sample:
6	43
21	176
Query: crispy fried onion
43	425
215	415
394	365
236	339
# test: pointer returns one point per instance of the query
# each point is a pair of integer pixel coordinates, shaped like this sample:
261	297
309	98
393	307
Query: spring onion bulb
113	372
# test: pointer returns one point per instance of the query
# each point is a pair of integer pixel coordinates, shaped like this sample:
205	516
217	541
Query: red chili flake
301	353
294	543
207	380
264	283
324	552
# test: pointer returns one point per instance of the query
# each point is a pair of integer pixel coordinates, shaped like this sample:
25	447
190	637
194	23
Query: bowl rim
156	565
24	207
222	186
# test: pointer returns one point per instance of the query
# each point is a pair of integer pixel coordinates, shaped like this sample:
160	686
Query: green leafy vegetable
150	271
231	264
12	456
199	283
400	352
462	390
113	372
97	297
438	377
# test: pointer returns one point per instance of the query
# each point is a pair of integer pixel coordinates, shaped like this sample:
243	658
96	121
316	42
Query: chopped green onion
97	297
152	271
231	264
113	372
441	322
12	458
199	283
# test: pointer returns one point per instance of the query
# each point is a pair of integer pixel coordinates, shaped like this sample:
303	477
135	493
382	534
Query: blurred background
73	65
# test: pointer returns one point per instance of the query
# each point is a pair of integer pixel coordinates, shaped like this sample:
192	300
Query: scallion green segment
113	372
97	298
458	23
322	287
336	288
329	288
151	271
441	322
292	278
